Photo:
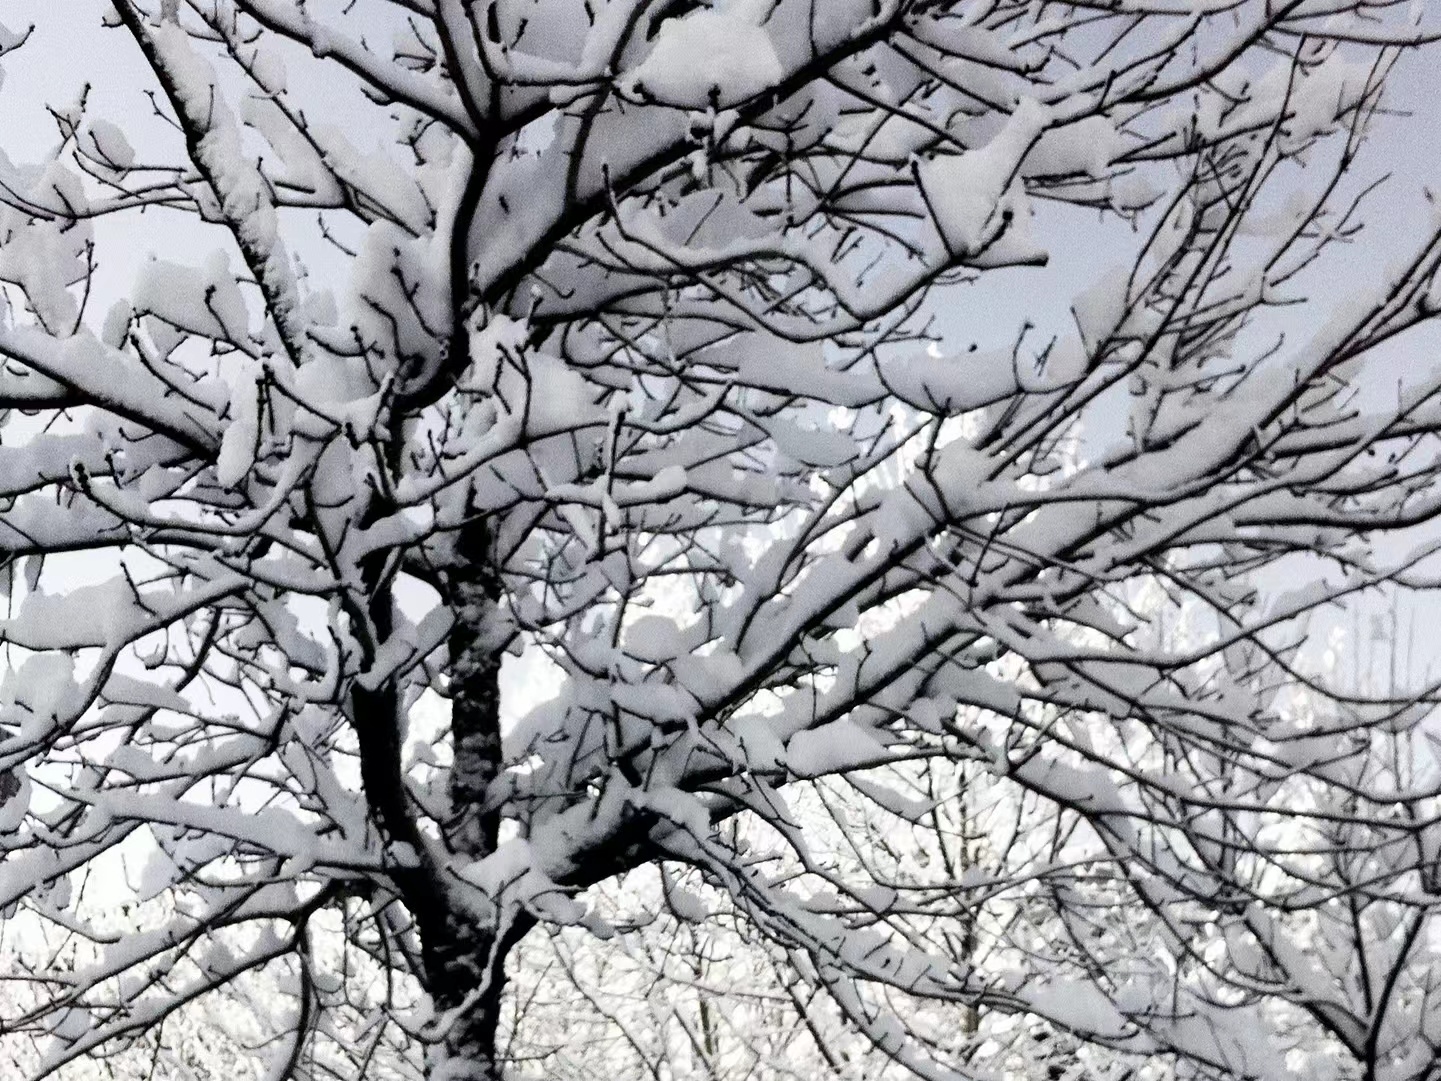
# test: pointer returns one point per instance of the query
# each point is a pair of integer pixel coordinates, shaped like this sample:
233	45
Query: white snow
718	57
973	196
833	748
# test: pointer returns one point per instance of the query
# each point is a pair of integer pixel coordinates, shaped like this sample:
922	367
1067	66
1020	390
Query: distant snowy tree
610	336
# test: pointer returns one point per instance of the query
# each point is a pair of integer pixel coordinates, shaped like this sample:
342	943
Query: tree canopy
914	678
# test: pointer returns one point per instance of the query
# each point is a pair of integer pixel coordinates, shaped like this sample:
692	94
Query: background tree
614	350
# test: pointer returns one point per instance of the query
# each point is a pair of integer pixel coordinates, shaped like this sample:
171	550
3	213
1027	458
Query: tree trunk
476	646
465	976
465	964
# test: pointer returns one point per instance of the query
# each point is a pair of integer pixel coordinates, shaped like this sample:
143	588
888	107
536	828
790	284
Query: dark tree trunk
459	961
464	963
465	975
473	591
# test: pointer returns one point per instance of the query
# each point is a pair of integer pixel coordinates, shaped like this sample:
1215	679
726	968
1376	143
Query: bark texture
465	964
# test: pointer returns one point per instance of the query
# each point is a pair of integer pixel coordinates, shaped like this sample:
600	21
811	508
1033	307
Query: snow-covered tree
628	340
